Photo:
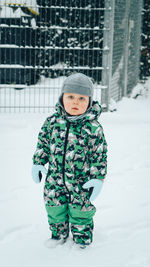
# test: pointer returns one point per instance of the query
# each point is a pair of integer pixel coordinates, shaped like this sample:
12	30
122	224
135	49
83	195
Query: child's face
75	104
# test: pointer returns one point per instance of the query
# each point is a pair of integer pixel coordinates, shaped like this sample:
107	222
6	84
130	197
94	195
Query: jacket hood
91	114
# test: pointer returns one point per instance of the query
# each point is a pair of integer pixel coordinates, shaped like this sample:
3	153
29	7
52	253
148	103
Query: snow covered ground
122	221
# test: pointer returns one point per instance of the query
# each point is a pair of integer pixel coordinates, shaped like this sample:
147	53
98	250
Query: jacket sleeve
41	154
98	155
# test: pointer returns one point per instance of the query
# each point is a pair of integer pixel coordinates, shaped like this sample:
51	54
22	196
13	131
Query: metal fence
43	41
123	43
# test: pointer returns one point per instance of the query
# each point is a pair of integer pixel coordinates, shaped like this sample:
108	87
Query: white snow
122	221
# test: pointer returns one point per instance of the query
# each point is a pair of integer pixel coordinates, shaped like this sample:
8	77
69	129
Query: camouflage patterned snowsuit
76	152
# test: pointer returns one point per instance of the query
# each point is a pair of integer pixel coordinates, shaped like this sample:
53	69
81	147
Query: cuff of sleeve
99	177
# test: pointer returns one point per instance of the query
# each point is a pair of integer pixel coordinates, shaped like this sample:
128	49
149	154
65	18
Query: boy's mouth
75	108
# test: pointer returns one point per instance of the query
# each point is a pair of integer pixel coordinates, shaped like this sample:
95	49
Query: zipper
64	157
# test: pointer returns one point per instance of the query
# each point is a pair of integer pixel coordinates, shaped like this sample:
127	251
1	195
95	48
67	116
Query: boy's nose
76	101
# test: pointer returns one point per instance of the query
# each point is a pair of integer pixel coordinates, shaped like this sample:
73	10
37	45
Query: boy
72	142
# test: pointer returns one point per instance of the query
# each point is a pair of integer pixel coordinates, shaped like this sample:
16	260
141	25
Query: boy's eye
80	99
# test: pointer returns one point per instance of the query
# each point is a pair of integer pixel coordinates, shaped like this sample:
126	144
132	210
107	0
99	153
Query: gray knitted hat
78	83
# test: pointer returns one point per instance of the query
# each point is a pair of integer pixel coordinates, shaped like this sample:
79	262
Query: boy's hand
97	186
37	173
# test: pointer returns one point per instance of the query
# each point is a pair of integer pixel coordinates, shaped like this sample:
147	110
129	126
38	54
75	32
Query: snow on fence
42	42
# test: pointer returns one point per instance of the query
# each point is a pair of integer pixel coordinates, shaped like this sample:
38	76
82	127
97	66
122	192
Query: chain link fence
121	48
43	41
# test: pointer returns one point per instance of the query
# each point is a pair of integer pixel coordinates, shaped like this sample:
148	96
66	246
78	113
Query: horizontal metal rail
51	67
51	48
55	27
60	7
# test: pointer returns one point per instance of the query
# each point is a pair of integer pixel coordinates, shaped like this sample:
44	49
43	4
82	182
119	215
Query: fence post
126	47
140	7
107	52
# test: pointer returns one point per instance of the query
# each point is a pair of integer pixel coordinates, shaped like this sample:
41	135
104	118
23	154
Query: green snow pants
69	207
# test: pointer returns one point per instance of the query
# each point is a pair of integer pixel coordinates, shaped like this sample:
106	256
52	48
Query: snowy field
122	221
